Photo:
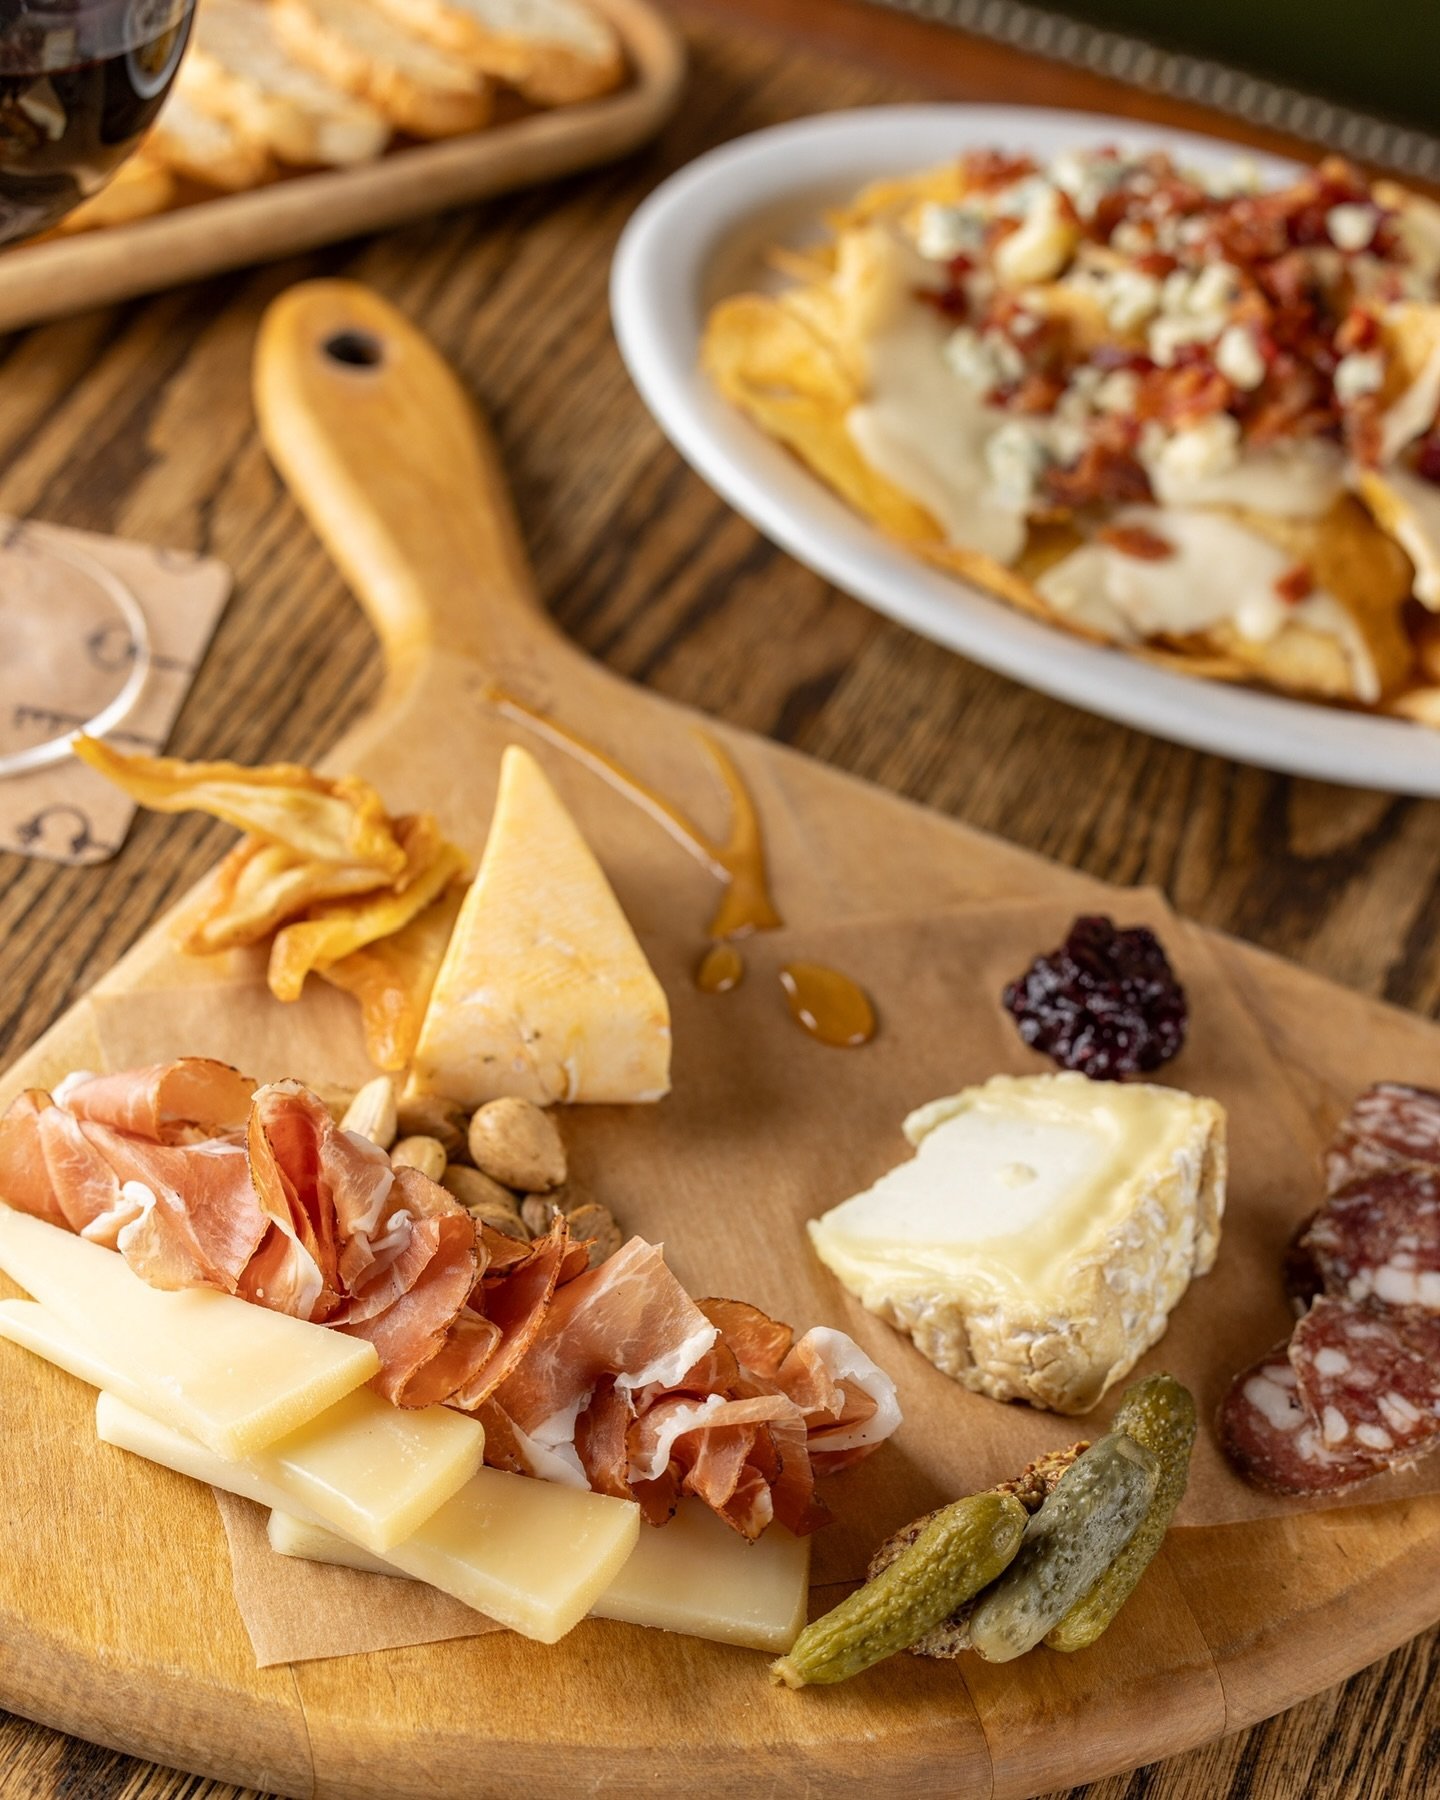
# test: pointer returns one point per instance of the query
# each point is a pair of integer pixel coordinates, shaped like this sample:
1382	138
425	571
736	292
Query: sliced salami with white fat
1388	1124
1378	1239
1368	1379
1272	1438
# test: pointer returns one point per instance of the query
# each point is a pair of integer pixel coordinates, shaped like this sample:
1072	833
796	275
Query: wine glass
80	81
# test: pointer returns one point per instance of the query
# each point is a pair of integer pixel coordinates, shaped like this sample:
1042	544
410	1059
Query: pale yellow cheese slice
369	1469
231	1374
544	992
529	1554
694	1576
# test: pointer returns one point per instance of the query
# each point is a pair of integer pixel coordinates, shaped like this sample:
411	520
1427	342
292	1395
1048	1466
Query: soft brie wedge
544	992
1046	1227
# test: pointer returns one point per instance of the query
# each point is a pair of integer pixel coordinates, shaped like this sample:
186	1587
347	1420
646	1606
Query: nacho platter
151	1657
707	238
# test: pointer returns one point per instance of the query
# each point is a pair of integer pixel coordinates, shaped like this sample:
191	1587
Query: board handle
395	469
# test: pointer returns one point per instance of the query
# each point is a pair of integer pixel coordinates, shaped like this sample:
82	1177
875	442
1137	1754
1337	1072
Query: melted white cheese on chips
1219	573
921	425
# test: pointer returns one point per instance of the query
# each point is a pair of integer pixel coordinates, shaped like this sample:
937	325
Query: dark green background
1382	58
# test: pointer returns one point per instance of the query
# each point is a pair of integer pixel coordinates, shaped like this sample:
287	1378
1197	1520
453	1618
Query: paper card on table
65	812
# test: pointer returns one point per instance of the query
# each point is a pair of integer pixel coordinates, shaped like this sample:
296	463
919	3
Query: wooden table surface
138	422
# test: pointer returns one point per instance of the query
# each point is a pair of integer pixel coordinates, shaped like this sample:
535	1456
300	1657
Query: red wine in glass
80	81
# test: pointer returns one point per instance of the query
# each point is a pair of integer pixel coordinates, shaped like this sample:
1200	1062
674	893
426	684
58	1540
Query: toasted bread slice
239	70
140	188
203	147
553	51
421	87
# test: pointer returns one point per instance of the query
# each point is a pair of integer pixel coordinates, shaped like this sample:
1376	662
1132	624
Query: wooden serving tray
116	1617
62	275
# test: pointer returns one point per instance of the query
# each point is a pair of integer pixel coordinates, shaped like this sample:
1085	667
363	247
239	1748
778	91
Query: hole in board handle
356	349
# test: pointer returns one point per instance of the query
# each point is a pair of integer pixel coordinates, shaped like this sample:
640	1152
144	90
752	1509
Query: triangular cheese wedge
544	992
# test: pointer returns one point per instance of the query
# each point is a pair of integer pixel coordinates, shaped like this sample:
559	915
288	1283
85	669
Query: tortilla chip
1421	705
778	370
339	821
897	197
260	885
393	977
336	928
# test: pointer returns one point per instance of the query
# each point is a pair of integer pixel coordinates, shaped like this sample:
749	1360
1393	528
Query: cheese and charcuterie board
127	1630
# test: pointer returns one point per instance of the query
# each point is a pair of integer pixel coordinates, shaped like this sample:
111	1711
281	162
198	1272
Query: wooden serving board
62	275
116	1617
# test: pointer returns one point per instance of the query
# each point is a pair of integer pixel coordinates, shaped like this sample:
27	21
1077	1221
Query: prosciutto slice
610	1378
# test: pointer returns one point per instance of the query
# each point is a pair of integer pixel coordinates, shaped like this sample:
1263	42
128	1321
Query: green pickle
1160	1414
959	1552
1097	1507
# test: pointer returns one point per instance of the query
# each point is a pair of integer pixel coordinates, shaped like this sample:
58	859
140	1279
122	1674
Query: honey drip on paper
829	1005
825	1003
738	863
721	968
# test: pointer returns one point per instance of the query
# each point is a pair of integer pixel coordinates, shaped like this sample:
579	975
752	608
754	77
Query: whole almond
428	1115
538	1211
516	1144
596	1222
474	1190
427	1154
372	1112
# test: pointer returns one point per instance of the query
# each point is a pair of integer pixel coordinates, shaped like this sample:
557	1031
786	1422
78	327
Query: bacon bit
1107	471
1157	263
1136	541
1296	584
949	302
1427	459
1036	393
986	171
1360	330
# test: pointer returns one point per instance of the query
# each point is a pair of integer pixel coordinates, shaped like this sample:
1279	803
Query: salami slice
1378	1239
1272	1438
1368	1379
1301	1271
1389	1123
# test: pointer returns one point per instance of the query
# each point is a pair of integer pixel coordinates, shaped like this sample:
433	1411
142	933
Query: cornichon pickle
961	1550
1160	1414
1095	1510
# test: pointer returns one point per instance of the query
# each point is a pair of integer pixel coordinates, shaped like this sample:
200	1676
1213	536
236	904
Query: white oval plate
702	235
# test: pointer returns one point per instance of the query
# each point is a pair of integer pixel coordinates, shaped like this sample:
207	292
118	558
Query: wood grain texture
650	574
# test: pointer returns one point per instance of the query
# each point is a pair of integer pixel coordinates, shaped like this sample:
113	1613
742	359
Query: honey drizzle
720	969
830	1006
739	863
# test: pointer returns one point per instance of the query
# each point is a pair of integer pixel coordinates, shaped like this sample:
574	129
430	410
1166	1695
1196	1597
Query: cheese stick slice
233	1375
528	1554
694	1576
371	1470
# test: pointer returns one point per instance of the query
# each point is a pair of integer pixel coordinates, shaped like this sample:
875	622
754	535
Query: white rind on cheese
544	992
233	1375
1036	1244
369	1469
531	1556
693	1575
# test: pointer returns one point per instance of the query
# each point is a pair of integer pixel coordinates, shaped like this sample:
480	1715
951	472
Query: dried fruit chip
392	979
341	821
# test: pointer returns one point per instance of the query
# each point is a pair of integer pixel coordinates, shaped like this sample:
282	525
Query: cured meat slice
515	1309
1270	1435
177	1102
414	1329
25	1182
1379	1238
197	1222
759	1343
629	1318
1370	1382
1389	1123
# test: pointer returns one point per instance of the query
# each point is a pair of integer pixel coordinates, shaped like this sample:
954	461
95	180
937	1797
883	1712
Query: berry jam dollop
1106	1003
